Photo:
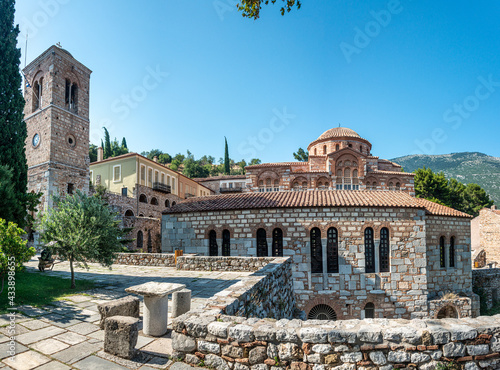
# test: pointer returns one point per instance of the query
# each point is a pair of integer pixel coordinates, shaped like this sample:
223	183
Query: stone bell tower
57	121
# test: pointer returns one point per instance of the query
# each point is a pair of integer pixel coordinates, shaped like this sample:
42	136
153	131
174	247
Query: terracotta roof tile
440	210
277	164
390	172
311	198
224	177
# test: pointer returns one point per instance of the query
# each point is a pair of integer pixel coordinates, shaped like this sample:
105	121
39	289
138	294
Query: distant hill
466	167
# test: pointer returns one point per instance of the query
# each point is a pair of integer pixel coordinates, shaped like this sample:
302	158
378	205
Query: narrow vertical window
324	149
213	247
452	252
261	243
369	251
67	94
226	243
369	311
316	251
73	103
384	250
332	251
140	240
277	243
442	261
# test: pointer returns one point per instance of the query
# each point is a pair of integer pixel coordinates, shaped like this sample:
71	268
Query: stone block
126	306
120	336
181	302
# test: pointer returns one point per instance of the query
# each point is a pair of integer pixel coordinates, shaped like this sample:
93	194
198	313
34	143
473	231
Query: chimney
100	154
155	158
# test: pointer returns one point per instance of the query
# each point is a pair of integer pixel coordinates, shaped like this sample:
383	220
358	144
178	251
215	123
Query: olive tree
81	228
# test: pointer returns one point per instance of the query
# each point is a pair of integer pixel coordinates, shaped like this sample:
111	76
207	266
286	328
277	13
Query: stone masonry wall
400	293
201	263
488	223
487	285
231	342
145	259
219	336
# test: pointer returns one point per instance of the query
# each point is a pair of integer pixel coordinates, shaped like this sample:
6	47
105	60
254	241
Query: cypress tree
124	143
107	144
227	169
12	125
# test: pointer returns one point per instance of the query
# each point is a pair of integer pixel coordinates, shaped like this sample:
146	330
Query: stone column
181	302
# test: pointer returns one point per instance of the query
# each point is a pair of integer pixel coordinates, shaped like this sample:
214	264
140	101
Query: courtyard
66	334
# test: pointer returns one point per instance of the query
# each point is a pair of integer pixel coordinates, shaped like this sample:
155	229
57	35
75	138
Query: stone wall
145	259
231	342
401	293
486	233
231	333
487	284
201	263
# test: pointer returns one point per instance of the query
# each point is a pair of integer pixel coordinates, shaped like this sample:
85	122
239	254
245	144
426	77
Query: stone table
155	305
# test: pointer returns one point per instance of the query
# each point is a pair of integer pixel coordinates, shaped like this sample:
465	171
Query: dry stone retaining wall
196	263
146	259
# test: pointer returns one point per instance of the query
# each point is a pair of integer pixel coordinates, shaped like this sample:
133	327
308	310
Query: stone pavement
66	334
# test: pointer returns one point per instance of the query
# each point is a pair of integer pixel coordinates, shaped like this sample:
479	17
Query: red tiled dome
339	132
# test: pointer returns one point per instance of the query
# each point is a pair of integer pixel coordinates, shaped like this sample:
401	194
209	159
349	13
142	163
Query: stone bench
120	336
126	306
155	305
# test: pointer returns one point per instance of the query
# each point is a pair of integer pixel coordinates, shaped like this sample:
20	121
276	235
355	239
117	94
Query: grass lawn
39	289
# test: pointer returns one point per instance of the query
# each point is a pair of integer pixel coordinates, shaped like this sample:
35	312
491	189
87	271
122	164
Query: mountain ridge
466	167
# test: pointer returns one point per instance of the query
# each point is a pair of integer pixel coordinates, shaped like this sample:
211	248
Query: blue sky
409	76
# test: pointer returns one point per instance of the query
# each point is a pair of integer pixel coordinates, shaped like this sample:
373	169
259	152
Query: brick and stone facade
57	120
339	159
231	333
485	230
413	285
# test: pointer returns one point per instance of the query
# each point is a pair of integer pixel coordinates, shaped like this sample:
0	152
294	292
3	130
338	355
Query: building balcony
158	186
235	189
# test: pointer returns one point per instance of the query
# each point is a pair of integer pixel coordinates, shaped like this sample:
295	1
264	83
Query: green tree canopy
251	8
12	126
254	161
8	201
81	228
301	155
107	144
468	198
92	153
13	248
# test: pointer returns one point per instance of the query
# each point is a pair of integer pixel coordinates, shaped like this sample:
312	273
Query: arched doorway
447	312
213	247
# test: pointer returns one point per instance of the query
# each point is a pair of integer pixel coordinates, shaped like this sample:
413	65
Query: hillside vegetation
466	167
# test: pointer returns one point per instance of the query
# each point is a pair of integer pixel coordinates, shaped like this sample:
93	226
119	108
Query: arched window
141	215
154	201
384	250
337	147
316	251
315	151
174	203
150	242
349	145
140	240
369	311
304	185
452	252
129	213
391	186
295	186
277	242
442	261
276	185
322	312
398	186
167	203
226	243
143	198
320	184
73	104
261	243
324	149
213	247
369	251
361	149
332	251
37	94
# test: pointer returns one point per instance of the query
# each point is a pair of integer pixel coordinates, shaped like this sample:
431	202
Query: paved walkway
66	334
